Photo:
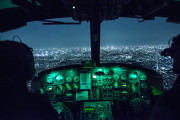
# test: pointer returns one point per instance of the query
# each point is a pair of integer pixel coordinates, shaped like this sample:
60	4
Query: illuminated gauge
116	77
144	85
124	92
76	79
68	87
124	76
133	76
59	79
109	77
59	89
143	77
68	79
68	94
116	85
49	88
49	80
76	86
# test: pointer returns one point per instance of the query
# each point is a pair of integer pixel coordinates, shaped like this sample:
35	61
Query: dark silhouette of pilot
16	68
139	109
168	105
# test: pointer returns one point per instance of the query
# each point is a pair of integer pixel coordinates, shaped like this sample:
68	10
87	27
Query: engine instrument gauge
49	80
76	79
59	89
59	79
124	76
68	78
144	85
143	77
116	77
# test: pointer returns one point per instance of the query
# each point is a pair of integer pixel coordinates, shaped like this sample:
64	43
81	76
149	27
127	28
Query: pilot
16	68
168	105
139	109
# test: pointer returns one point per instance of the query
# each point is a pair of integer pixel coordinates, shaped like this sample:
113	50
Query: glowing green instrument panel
106	82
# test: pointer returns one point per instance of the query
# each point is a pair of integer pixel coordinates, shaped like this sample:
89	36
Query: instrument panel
107	82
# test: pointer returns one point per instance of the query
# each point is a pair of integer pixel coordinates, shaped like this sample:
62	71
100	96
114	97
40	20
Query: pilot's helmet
16	60
174	52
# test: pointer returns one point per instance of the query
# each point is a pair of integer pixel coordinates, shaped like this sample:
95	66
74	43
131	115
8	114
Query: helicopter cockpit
100	92
93	90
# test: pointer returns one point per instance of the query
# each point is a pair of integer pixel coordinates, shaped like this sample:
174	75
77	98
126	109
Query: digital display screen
85	81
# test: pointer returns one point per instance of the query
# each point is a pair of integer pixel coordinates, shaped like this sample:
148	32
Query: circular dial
76	79
124	76
68	79
133	78
59	79
49	80
143	77
59	89
116	77
144	85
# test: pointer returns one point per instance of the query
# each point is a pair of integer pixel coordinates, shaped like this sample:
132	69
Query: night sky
120	32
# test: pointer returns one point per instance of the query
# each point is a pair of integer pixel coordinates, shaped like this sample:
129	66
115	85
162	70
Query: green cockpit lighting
68	94
68	87
144	85
99	69
49	88
76	79
89	109
133	76
143	77
49	80
116	85
118	69
59	77
124	92
68	79
75	86
116	77
124	76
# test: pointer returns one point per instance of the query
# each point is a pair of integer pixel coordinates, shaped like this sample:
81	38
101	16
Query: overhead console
107	82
